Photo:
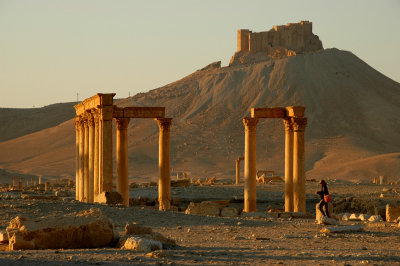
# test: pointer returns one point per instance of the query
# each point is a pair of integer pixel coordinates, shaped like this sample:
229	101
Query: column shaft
81	160
76	121
250	167
86	165
107	149
122	159
299	176
164	182
288	165
96	157
237	171
91	159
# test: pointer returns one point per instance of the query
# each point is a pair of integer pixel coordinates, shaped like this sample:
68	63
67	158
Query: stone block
375	218
274	112
204	208
87	229
342	229
319	215
3	236
392	213
142	244
229	212
180	183
109	198
147	232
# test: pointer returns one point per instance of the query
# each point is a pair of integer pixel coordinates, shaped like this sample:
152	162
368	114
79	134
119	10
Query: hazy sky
50	50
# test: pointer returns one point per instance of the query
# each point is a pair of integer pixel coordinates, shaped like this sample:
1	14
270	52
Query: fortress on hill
280	41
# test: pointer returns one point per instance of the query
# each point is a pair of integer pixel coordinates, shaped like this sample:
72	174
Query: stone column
81	183
250	170
96	183
122	159
164	182
20	184
46	186
77	128
106	162
14	182
237	171
91	159
288	165
299	169
40	177
86	164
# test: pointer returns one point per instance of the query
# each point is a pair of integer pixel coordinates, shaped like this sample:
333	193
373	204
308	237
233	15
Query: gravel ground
204	240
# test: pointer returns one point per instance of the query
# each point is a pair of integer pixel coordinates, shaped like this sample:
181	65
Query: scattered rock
109	198
254	215
392	213
87	229
342	229
204	208
375	218
141	244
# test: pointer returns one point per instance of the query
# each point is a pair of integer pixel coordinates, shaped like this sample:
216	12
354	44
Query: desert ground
207	240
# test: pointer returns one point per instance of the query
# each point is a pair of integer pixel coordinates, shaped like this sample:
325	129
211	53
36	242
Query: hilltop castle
280	41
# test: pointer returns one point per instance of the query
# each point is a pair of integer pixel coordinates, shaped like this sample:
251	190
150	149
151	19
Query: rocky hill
353	127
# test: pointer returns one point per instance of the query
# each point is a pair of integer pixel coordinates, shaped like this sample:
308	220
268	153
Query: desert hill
353	127
17	122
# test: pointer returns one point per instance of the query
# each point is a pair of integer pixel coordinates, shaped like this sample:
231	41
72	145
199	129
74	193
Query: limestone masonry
280	41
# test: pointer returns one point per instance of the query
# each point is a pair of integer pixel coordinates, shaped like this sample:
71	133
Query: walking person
325	198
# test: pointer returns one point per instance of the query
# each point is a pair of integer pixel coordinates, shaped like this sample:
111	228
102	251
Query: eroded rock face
87	229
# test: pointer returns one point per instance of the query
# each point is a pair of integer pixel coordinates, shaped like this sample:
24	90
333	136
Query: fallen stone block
354	217
364	217
342	229
319	217
375	218
229	212
376	225
141	244
87	229
3	237
109	198
392	213
39	197
180	183
147	232
138	201
204	208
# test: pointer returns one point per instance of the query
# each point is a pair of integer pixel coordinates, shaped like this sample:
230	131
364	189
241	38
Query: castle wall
293	36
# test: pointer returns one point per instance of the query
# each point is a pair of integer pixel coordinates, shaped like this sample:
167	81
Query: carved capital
77	122
299	123
250	123
288	124
122	123
96	116
164	123
90	120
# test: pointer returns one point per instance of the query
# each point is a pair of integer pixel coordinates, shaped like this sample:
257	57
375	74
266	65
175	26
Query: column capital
122	123
90	119
250	123
299	123
78	122
164	123
288	124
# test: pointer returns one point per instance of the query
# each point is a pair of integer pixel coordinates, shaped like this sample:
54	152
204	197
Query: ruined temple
280	41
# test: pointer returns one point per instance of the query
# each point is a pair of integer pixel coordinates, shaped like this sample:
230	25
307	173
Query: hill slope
353	125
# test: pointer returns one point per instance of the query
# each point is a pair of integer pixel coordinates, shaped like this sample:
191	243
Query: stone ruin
280	41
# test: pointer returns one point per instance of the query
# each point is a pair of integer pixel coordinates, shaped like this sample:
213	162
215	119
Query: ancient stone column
250	170
288	165
32	181
20	184
122	159
77	128
164	182
40	177
91	159
106	115
86	164
14	182
237	171
96	183
81	181
299	169
46	186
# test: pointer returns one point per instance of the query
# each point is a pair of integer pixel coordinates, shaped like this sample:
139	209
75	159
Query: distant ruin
281	41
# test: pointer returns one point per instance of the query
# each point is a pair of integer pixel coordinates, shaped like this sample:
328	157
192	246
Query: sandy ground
204	240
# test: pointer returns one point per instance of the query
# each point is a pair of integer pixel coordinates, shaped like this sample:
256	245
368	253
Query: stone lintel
273	112
295	111
99	99
240	158
139	112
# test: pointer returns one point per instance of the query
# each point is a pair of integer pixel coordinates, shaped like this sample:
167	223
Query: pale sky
50	50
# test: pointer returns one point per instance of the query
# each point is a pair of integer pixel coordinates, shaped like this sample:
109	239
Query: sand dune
353	127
